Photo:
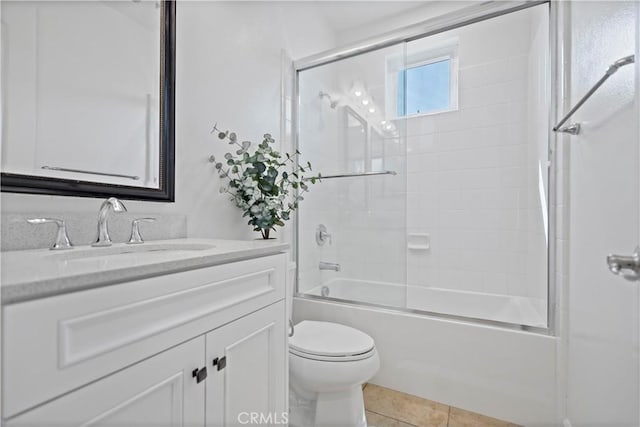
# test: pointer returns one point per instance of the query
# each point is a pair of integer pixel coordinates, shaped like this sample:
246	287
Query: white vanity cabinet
132	353
159	391
249	372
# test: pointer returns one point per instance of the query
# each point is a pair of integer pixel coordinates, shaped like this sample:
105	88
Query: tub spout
329	266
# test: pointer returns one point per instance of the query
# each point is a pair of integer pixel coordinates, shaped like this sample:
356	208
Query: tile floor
390	408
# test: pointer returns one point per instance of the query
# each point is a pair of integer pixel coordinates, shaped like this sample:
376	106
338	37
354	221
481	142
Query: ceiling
345	15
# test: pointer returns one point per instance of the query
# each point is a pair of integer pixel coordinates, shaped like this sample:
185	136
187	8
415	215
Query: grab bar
574	128
351	175
55	168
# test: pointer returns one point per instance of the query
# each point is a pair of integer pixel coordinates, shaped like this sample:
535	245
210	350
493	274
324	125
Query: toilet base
343	408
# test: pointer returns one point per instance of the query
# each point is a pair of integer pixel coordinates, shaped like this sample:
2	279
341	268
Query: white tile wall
472	179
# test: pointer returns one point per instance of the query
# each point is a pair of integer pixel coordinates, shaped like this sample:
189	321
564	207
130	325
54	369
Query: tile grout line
449	410
391	418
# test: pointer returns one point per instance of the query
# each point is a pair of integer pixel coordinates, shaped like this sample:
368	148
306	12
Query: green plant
265	184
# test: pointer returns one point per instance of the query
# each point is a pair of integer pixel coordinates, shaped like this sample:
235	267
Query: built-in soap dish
418	241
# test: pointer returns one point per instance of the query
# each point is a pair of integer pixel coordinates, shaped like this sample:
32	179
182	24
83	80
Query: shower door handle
627	266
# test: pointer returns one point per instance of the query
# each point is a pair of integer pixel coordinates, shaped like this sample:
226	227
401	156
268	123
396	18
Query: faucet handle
322	236
62	239
136	238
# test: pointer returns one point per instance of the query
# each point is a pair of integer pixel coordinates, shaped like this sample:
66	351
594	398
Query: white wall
600	330
422	12
228	71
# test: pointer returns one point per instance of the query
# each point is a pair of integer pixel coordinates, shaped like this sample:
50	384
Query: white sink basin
123	249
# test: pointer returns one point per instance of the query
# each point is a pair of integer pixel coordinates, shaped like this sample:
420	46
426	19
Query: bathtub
506	373
492	307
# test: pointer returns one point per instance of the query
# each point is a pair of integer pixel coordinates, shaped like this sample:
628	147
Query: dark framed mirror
89	99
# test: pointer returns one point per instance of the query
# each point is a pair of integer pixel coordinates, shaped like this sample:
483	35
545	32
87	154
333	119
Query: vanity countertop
32	274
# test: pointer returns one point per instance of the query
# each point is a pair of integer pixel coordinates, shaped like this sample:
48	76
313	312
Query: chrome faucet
62	239
329	266
103	233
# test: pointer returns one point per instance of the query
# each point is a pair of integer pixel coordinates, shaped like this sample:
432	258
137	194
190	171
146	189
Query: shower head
333	103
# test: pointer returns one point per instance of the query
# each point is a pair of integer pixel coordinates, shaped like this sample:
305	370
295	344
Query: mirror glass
83	87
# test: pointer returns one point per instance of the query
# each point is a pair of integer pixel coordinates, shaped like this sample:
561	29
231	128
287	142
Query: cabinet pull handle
220	362
200	374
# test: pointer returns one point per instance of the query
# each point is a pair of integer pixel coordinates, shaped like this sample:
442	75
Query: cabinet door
160	391
251	355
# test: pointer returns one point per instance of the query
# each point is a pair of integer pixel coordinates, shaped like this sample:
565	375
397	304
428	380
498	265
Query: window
424	88
425	82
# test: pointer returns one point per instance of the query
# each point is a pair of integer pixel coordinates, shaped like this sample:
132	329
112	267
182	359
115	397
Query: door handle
627	266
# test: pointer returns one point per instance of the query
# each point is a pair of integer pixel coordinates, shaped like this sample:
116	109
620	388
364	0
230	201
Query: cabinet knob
200	374
220	362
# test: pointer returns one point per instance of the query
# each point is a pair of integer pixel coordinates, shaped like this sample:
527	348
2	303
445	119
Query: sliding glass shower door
435	153
361	202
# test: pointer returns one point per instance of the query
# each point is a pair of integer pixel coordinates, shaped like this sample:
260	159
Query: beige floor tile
461	418
405	407
377	420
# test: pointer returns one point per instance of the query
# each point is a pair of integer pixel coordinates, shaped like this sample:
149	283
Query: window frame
398	63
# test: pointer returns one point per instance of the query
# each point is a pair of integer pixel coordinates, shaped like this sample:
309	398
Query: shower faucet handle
322	236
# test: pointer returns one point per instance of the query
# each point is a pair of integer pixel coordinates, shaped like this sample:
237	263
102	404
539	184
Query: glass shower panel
477	179
462	118
344	129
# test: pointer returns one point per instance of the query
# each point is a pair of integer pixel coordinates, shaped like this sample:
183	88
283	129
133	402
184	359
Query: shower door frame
555	94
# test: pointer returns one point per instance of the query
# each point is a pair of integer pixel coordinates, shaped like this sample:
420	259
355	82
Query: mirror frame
31	184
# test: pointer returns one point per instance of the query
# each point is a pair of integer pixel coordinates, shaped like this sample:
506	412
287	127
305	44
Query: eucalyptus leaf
255	187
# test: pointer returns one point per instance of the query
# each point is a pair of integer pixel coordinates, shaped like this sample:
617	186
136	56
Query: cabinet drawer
54	345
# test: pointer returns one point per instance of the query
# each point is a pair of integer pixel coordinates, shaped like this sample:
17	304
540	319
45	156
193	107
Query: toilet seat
327	341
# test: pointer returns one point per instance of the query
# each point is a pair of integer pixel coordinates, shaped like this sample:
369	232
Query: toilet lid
329	339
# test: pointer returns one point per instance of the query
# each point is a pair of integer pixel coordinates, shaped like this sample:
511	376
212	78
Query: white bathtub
499	308
508	374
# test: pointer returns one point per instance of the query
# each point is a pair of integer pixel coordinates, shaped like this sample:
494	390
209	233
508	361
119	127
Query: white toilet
328	364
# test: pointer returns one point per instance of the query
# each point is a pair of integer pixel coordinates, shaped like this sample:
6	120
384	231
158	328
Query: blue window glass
424	88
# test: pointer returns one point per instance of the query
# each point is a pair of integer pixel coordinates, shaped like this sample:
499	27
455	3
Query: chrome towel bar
574	128
351	175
